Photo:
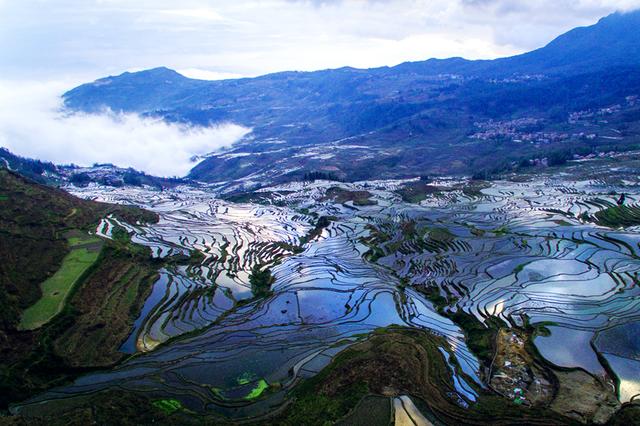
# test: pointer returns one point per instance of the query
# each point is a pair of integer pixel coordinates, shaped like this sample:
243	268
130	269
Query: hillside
613	41
451	295
33	169
406	120
433	117
39	227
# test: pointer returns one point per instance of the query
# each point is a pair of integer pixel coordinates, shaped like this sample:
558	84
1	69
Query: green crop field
75	240
84	252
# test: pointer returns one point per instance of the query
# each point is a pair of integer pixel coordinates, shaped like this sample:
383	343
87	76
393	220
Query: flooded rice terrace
524	253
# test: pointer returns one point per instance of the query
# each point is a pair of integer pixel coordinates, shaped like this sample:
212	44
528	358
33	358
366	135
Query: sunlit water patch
232	239
516	251
620	346
323	299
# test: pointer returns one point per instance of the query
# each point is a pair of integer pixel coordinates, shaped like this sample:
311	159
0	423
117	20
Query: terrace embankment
573	393
390	363
34	222
403	361
104	309
500	262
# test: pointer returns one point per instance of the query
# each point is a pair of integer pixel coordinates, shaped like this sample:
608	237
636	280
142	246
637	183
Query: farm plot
85	250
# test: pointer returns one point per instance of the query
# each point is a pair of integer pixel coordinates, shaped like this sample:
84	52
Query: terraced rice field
232	240
523	253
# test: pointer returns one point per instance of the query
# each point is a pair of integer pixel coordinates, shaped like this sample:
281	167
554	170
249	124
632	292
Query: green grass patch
359	198
618	216
503	230
321	223
56	288
520	267
245	378
259	388
415	192
441	234
77	241
168	406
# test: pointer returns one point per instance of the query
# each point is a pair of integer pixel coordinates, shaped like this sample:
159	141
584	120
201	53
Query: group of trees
493	169
130	177
34	169
315	175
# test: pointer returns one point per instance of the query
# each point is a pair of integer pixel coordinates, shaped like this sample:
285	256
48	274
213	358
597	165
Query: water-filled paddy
517	252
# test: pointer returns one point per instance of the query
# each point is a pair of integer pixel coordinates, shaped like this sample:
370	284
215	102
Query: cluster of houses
519	130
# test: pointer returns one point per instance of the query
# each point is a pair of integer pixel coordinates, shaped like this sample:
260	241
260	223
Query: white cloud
201	74
32	125
252	37
206	14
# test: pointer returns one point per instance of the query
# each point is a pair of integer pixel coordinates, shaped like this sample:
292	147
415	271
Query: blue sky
85	39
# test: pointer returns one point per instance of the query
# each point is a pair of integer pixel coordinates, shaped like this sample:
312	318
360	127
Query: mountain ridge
430	107
610	26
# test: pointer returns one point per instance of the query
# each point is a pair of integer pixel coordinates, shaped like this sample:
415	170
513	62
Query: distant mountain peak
435	103
161	71
620	15
158	73
144	90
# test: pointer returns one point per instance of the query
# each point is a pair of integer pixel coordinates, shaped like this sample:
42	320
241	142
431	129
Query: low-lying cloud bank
32	125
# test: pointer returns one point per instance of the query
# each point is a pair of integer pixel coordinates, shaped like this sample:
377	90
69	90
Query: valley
499	276
431	243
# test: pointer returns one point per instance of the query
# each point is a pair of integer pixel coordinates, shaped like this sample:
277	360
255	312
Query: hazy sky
85	39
